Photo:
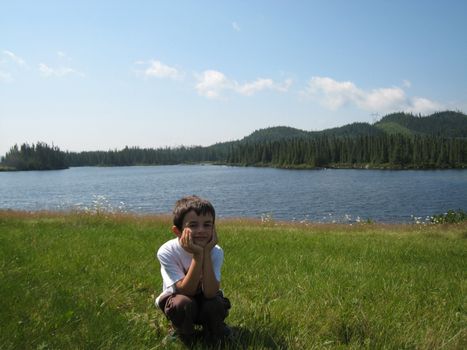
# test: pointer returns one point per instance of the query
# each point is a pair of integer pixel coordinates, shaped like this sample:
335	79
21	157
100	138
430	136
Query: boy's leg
212	314
182	311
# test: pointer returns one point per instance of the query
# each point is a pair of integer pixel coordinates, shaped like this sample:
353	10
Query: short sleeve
171	271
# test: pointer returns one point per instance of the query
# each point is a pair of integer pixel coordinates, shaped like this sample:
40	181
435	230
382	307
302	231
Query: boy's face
201	226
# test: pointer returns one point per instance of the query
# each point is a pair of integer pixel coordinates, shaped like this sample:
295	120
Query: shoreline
334	166
162	217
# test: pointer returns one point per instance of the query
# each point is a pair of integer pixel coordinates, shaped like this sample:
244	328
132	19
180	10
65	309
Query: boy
191	272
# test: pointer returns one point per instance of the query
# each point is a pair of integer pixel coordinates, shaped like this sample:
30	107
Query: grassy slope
394	128
81	281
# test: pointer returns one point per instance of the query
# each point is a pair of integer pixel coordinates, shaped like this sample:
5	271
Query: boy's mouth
200	238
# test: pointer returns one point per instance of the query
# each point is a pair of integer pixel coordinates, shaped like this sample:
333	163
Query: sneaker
175	337
226	336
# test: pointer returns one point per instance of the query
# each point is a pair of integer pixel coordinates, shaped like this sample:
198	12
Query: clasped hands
187	243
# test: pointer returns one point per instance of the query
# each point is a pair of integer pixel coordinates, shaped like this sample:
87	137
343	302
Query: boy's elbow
184	290
188	293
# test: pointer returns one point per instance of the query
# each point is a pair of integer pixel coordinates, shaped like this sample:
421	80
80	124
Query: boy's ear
176	231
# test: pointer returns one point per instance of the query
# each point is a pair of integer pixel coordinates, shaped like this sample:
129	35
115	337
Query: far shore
357	166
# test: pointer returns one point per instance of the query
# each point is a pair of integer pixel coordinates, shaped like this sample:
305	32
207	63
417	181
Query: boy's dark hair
200	206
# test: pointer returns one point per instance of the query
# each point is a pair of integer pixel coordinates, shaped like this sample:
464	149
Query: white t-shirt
175	262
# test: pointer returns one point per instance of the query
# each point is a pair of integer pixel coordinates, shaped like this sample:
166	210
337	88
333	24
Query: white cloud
424	106
260	84
335	94
235	26
157	69
385	99
212	83
332	94
18	60
249	89
59	72
407	83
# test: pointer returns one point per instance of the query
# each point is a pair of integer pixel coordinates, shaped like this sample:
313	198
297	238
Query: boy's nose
197	230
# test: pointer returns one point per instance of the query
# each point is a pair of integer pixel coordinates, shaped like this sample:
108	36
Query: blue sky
99	75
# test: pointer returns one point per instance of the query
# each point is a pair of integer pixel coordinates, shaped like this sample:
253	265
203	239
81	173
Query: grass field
82	281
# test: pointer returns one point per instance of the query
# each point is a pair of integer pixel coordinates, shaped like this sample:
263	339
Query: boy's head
196	213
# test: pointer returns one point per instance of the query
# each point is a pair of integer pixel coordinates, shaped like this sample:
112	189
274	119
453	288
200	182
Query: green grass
394	128
76	281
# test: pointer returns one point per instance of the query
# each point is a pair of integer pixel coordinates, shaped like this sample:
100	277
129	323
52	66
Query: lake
330	195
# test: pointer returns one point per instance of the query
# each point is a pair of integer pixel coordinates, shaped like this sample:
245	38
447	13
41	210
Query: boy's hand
212	243
186	241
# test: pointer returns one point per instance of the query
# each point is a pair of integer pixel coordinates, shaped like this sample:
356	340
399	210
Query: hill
276	133
443	124
352	130
397	141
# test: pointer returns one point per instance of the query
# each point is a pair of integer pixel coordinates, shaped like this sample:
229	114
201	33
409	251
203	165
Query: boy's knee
179	308
214	308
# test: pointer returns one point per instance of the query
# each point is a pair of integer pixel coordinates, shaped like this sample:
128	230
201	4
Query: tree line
35	157
143	156
388	151
392	151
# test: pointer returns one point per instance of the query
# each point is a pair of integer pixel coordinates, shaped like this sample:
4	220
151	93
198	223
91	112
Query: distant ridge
397	141
444	124
441	124
276	133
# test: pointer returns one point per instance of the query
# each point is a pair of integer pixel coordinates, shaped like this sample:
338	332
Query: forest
34	157
397	141
390	151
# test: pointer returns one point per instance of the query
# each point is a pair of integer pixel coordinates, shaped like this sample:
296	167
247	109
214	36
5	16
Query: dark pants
184	312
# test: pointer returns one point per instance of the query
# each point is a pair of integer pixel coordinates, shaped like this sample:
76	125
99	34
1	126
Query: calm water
312	195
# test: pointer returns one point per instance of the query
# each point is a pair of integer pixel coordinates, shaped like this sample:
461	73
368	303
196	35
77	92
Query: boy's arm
210	283
189	284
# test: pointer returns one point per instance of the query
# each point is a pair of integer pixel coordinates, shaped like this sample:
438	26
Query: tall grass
89	281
